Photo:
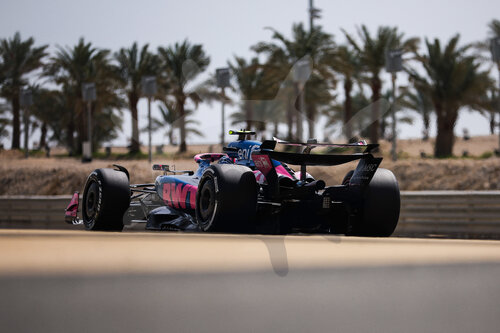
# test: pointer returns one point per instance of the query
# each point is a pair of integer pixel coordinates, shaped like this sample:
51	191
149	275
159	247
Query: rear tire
381	205
106	198
226	200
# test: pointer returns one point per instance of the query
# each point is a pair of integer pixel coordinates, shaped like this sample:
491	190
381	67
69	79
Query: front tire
226	200
106	198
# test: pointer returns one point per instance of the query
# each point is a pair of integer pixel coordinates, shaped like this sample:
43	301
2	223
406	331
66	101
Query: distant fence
474	214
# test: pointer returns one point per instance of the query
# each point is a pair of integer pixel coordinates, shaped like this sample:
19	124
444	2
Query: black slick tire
106	198
380	208
226	199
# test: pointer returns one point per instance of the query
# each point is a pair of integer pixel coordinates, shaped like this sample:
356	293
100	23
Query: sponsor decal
369	168
99	201
263	163
246	153
179	195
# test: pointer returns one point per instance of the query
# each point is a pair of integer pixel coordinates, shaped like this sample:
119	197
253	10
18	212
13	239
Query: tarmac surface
77	281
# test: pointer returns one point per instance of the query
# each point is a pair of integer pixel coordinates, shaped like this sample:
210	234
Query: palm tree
71	67
494	26
371	52
43	111
174	58
4	122
284	53
168	118
344	61
402	115
453	80
416	100
252	84
359	122
18	58
133	65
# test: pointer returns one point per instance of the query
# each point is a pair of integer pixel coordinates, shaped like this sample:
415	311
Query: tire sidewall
381	206
113	199
209	174
235	190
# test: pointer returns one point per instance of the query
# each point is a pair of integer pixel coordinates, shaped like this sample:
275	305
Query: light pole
313	13
26	100
149	90
394	64
223	75
495	53
88	95
301	72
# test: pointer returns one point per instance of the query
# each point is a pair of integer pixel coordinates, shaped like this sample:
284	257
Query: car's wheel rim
91	201
207	201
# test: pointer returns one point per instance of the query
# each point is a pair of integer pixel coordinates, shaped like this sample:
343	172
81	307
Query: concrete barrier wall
33	212
448	213
451	213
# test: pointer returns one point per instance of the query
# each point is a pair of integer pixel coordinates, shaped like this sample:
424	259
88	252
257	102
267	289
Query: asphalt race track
76	281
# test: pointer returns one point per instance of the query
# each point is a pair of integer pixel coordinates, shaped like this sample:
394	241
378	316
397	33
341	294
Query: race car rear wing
362	176
305	158
313	143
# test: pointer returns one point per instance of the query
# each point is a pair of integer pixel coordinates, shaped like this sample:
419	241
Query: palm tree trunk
171	136
135	145
298	114
16	122
82	126
249	114
43	135
311	119
427	125
376	85
70	140
383	127
445	137
347	109
492	123
289	117
182	126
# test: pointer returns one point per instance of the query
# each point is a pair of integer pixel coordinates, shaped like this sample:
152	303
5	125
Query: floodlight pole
88	95
394	64
393	116
222	141
223	76
149	89
150	150
89	125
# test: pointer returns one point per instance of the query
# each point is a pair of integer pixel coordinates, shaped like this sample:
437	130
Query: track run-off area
49	252
75	281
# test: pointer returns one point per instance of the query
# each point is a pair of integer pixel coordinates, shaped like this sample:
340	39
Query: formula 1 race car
249	188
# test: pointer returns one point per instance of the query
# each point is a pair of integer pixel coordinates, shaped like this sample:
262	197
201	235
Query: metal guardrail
467	214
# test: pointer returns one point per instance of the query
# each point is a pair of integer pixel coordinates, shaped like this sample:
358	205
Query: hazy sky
226	28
